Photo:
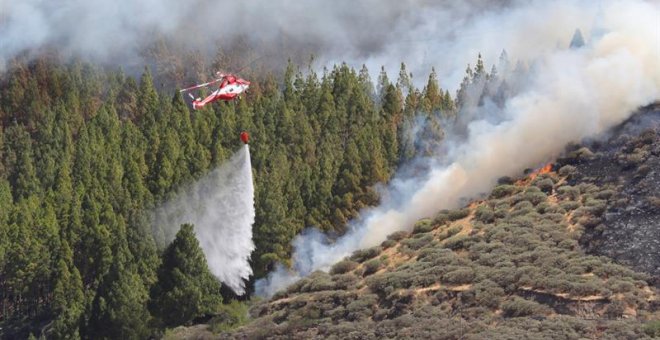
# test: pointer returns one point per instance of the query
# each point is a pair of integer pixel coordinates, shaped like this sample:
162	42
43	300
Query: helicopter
229	89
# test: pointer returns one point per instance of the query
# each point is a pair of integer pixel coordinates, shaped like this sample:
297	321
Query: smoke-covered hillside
510	265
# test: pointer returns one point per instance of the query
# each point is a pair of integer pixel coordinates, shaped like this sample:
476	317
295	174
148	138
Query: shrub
569	205
416	243
441	218
596	207
521	307
653	202
361	308
567	171
652	328
619	286
587	188
457	242
505	180
344	281
458	214
229	316
488	293
535	197
520	212
554	217
343	266
580	154
371	267
615	309
317	281
459	276
545	185
503	190
388	244
453	231
398	236
423	226
568	192
484	214
501	212
605	194
365	254
386	283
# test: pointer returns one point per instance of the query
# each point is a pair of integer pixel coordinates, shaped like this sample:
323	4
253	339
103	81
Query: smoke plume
221	206
117	32
570	94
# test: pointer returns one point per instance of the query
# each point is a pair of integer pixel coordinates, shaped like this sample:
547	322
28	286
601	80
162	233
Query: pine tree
68	297
432	94
186	289
577	41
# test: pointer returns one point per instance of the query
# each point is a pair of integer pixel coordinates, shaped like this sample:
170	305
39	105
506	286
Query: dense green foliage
186	289
86	153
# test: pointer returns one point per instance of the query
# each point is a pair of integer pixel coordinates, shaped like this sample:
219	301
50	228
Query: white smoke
572	94
117	32
221	206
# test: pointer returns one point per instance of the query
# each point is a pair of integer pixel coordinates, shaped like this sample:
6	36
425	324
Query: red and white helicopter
230	88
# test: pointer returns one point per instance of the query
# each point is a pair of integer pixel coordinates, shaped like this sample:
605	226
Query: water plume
221	207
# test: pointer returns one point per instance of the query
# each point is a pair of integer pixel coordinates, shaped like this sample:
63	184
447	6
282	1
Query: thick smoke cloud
118	31
221	206
570	94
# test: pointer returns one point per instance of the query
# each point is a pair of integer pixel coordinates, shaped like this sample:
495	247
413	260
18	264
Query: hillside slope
629	231
508	266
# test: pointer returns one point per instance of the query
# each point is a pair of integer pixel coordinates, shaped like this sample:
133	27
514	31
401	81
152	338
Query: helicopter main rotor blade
200	85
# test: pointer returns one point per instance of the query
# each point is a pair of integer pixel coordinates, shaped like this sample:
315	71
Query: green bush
485	214
459	276
615	309
344	281
523	205
423	226
652	328
567	171
596	207
605	194
587	188
388	244
362	308
371	267
488	293
569	205
398	236
504	190
229	316
545	184
416	243
535	197
458	214
385	283
501	213
343	266
317	281
521	307
568	192
457	242
365	254
454	230
441	218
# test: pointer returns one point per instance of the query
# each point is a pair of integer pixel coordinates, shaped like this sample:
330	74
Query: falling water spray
221	206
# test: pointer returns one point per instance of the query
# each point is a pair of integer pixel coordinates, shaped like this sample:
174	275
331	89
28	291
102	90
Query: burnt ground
628	161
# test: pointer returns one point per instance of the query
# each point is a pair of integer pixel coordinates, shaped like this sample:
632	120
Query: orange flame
544	170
